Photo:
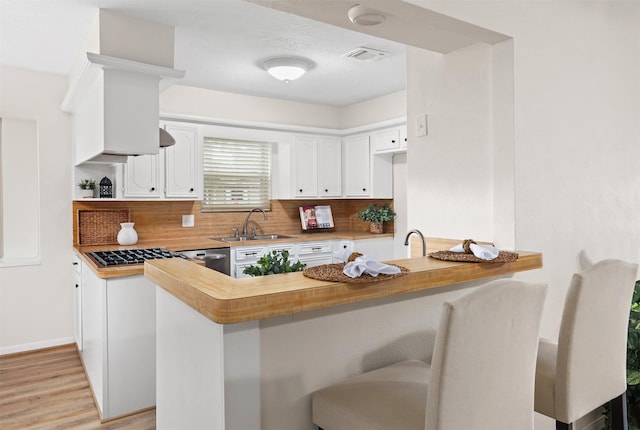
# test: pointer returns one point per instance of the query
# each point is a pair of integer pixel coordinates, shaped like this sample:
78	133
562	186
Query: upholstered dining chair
481	375
586	367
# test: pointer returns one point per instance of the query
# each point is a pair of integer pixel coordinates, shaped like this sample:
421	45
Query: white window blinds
237	175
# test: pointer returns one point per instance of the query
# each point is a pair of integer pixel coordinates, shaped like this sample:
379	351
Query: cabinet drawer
290	248
314	248
250	253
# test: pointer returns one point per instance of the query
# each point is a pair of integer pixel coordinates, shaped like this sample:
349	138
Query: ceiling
221	45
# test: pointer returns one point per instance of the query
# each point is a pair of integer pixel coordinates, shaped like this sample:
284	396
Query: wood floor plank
48	389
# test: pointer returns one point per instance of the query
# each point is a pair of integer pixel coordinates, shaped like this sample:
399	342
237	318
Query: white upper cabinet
366	174
173	174
329	167
305	166
357	166
142	177
181	163
390	141
317	166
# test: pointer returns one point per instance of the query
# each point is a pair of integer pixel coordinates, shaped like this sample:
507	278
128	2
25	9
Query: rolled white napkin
484	252
364	264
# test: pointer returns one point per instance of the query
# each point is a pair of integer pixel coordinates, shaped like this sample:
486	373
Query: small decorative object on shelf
377	217
127	234
106	188
87	186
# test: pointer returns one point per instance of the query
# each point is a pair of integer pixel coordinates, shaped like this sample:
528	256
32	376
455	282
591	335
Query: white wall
450	171
577	130
209	104
36	301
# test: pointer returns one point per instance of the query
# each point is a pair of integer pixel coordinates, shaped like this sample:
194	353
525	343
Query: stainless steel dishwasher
218	259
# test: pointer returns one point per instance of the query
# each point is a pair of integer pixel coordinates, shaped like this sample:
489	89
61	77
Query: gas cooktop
123	257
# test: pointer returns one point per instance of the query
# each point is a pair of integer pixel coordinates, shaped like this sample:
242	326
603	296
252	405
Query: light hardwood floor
48	389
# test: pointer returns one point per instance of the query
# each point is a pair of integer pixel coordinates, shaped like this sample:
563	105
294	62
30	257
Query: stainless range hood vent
365	54
166	139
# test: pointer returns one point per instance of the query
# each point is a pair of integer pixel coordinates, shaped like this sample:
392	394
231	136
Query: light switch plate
188	220
421	125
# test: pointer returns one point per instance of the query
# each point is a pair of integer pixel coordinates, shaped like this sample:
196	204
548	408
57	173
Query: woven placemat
333	273
503	257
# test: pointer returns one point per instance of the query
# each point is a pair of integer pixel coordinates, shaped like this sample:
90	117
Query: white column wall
36	302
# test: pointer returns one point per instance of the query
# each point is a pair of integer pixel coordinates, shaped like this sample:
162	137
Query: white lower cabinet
315	253
309	253
118	328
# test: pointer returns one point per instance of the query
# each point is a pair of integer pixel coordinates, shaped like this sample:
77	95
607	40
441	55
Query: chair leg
563	426
619	412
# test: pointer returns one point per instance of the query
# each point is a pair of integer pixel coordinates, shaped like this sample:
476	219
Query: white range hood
114	98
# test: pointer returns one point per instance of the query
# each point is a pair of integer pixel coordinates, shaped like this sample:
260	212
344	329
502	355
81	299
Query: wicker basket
100	227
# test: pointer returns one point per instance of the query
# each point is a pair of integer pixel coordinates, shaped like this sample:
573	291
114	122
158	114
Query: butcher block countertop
188	243
226	300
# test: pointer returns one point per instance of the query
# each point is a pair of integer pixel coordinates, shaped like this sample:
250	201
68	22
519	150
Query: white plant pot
86	194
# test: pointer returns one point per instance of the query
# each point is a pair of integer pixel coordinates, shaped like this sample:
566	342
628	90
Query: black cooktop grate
130	256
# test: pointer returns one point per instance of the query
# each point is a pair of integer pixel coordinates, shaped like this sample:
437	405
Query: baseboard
35	345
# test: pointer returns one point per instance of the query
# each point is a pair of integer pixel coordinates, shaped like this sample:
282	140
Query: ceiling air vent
366	54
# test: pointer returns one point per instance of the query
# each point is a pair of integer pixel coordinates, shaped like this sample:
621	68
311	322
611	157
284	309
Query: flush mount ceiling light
364	15
287	69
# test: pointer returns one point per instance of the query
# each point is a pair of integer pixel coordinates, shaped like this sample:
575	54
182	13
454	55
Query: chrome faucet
246	220
419	233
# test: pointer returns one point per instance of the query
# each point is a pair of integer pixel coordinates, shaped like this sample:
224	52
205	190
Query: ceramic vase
127	235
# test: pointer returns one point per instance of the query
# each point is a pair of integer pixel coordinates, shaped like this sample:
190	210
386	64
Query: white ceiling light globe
286	69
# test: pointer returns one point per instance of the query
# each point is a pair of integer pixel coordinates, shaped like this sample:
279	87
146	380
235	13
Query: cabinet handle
300	190
190	190
393	141
364	189
326	190
77	285
153	188
75	263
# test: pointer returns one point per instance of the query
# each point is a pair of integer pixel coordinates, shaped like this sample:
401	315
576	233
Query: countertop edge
227	300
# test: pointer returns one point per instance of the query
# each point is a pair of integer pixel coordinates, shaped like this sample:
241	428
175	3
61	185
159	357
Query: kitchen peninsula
247	353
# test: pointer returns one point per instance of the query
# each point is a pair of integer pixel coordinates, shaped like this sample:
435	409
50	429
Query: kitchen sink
256	237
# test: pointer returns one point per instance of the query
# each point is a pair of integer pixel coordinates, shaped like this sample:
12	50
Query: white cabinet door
142	176
131	345
181	163
171	174
94	314
77	300
329	167
385	141
357	166
118	327
305	166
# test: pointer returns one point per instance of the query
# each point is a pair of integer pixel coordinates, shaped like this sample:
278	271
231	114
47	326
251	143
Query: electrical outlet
421	125
188	221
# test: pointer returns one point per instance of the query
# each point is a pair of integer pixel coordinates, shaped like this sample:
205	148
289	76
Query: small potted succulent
377	217
87	186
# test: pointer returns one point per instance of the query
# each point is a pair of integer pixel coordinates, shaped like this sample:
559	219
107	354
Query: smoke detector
365	54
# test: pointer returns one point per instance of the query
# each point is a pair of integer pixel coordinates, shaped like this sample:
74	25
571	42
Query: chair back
592	343
484	359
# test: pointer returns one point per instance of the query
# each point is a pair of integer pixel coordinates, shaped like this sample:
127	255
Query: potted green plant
87	186
377	217
272	264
